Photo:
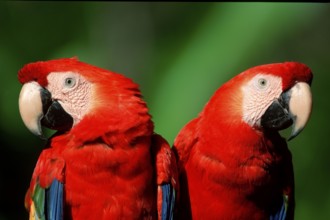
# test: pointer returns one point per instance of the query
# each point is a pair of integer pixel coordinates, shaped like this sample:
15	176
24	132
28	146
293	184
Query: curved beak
300	105
30	107
37	108
293	107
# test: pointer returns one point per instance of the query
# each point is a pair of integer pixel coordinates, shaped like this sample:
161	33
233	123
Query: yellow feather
32	212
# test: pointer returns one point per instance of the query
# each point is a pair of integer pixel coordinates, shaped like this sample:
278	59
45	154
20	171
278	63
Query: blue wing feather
168	200
54	201
281	213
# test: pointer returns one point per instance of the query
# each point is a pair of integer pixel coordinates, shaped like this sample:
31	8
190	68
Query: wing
47	203
286	210
167	177
281	214
54	200
184	142
44	199
167	201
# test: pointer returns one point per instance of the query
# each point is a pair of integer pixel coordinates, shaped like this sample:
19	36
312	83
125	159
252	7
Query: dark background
179	53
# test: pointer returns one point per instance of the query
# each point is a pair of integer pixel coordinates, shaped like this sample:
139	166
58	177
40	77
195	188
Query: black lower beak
293	107
54	116
277	115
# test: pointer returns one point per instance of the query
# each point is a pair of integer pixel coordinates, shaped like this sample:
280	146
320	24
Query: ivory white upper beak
300	106
30	107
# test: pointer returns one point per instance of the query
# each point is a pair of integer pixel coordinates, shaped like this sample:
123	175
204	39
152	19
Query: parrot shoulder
44	198
184	142
165	160
166	176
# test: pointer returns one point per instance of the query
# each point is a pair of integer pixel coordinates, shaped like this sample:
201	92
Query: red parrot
233	163
104	161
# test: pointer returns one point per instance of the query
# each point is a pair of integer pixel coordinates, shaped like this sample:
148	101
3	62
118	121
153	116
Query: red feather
112	160
229	170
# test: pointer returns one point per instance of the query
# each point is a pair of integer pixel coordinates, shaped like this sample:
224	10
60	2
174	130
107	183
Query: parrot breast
104	161
250	176
103	182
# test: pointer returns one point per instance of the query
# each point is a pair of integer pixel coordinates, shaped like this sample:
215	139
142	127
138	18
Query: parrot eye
262	83
69	82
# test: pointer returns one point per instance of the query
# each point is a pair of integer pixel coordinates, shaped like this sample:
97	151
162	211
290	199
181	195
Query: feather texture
110	164
54	201
231	169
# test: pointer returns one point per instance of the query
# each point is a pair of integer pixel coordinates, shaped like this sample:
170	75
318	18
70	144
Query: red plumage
110	162
228	169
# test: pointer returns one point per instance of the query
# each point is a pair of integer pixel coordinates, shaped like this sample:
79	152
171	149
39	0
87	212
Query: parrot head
266	97
68	95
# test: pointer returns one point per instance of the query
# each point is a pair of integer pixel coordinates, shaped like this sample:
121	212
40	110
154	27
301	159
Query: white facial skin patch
72	91
258	94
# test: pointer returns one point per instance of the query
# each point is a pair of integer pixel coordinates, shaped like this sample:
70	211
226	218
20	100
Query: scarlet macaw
104	161
233	163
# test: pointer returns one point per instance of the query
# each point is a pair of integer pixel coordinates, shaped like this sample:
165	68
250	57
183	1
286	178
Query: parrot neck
237	154
224	133
112	131
228	141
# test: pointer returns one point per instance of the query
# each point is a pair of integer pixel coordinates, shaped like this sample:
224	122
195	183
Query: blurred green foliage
179	53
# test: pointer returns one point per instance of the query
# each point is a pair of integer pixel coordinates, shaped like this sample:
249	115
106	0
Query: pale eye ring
262	82
69	82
